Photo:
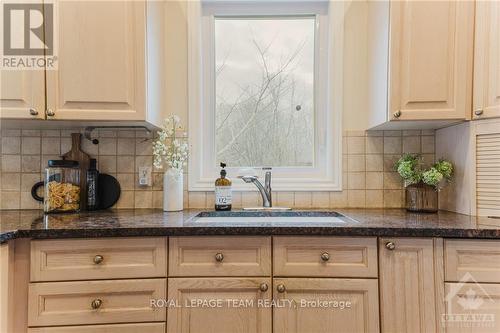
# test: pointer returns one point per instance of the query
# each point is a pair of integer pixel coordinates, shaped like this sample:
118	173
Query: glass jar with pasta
62	187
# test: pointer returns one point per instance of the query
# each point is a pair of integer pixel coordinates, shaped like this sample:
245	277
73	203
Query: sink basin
270	217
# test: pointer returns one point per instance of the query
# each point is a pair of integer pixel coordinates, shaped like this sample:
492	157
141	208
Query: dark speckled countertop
148	222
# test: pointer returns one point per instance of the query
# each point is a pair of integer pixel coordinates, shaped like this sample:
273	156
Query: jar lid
63	163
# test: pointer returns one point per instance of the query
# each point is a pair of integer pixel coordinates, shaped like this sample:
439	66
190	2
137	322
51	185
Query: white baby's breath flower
169	150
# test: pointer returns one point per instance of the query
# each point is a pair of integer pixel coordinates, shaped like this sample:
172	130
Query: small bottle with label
223	195
92	185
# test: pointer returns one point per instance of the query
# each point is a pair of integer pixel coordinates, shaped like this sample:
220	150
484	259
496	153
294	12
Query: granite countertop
150	222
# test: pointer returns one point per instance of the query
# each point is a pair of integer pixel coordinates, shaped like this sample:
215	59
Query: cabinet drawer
116	328
474	304
220	256
94	259
75	303
325	256
479	258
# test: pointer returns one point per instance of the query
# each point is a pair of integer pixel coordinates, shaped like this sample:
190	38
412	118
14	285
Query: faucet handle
267	171
267	176
267	184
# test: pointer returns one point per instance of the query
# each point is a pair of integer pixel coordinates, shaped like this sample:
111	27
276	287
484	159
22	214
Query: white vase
173	191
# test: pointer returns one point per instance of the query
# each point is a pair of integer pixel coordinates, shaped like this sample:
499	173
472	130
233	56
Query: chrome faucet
265	191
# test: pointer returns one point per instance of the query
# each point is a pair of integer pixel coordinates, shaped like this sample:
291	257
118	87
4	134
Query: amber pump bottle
223	194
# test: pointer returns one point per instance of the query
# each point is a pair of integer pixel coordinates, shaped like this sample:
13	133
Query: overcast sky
234	48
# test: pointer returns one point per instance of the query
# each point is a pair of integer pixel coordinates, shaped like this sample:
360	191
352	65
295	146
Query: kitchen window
265	90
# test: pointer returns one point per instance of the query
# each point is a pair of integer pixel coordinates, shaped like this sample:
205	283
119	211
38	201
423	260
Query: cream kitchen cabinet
108	56
472	275
430	59
101	61
95	302
219	256
98	259
22	94
229	305
479	259
322	305
325	284
487	60
234	272
474	148
75	282
420	63
479	301
112	328
325	257
411	284
14	280
399	289
6	286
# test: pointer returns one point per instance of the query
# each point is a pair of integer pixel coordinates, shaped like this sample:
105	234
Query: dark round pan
109	191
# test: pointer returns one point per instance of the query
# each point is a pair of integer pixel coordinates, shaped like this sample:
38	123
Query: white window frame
326	174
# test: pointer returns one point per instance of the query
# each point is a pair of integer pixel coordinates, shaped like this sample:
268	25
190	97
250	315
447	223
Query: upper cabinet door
22	88
430	62
101	61
22	94
487	60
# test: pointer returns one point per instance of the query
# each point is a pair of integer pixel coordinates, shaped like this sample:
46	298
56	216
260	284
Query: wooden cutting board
77	154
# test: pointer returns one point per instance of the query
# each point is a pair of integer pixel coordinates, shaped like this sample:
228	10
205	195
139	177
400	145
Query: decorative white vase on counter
173	191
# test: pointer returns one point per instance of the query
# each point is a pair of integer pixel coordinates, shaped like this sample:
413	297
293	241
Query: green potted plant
422	185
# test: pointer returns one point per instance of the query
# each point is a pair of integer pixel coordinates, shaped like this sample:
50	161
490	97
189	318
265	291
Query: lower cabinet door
472	307
6	286
219	305
113	328
325	305
411	284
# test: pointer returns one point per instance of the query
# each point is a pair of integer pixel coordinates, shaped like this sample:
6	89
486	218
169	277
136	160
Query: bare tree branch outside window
265	91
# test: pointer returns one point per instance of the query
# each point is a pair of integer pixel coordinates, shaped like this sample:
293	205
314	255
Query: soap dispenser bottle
223	195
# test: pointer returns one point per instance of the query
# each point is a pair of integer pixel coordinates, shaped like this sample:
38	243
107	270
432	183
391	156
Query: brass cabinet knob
263	287
96	304
33	112
98	259
478	112
219	257
397	114
325	256
390	246
281	288
50	113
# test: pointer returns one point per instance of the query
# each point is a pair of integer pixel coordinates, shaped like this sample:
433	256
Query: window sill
278	185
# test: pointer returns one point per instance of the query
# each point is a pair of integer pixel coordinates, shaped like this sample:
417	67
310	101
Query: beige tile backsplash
368	176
